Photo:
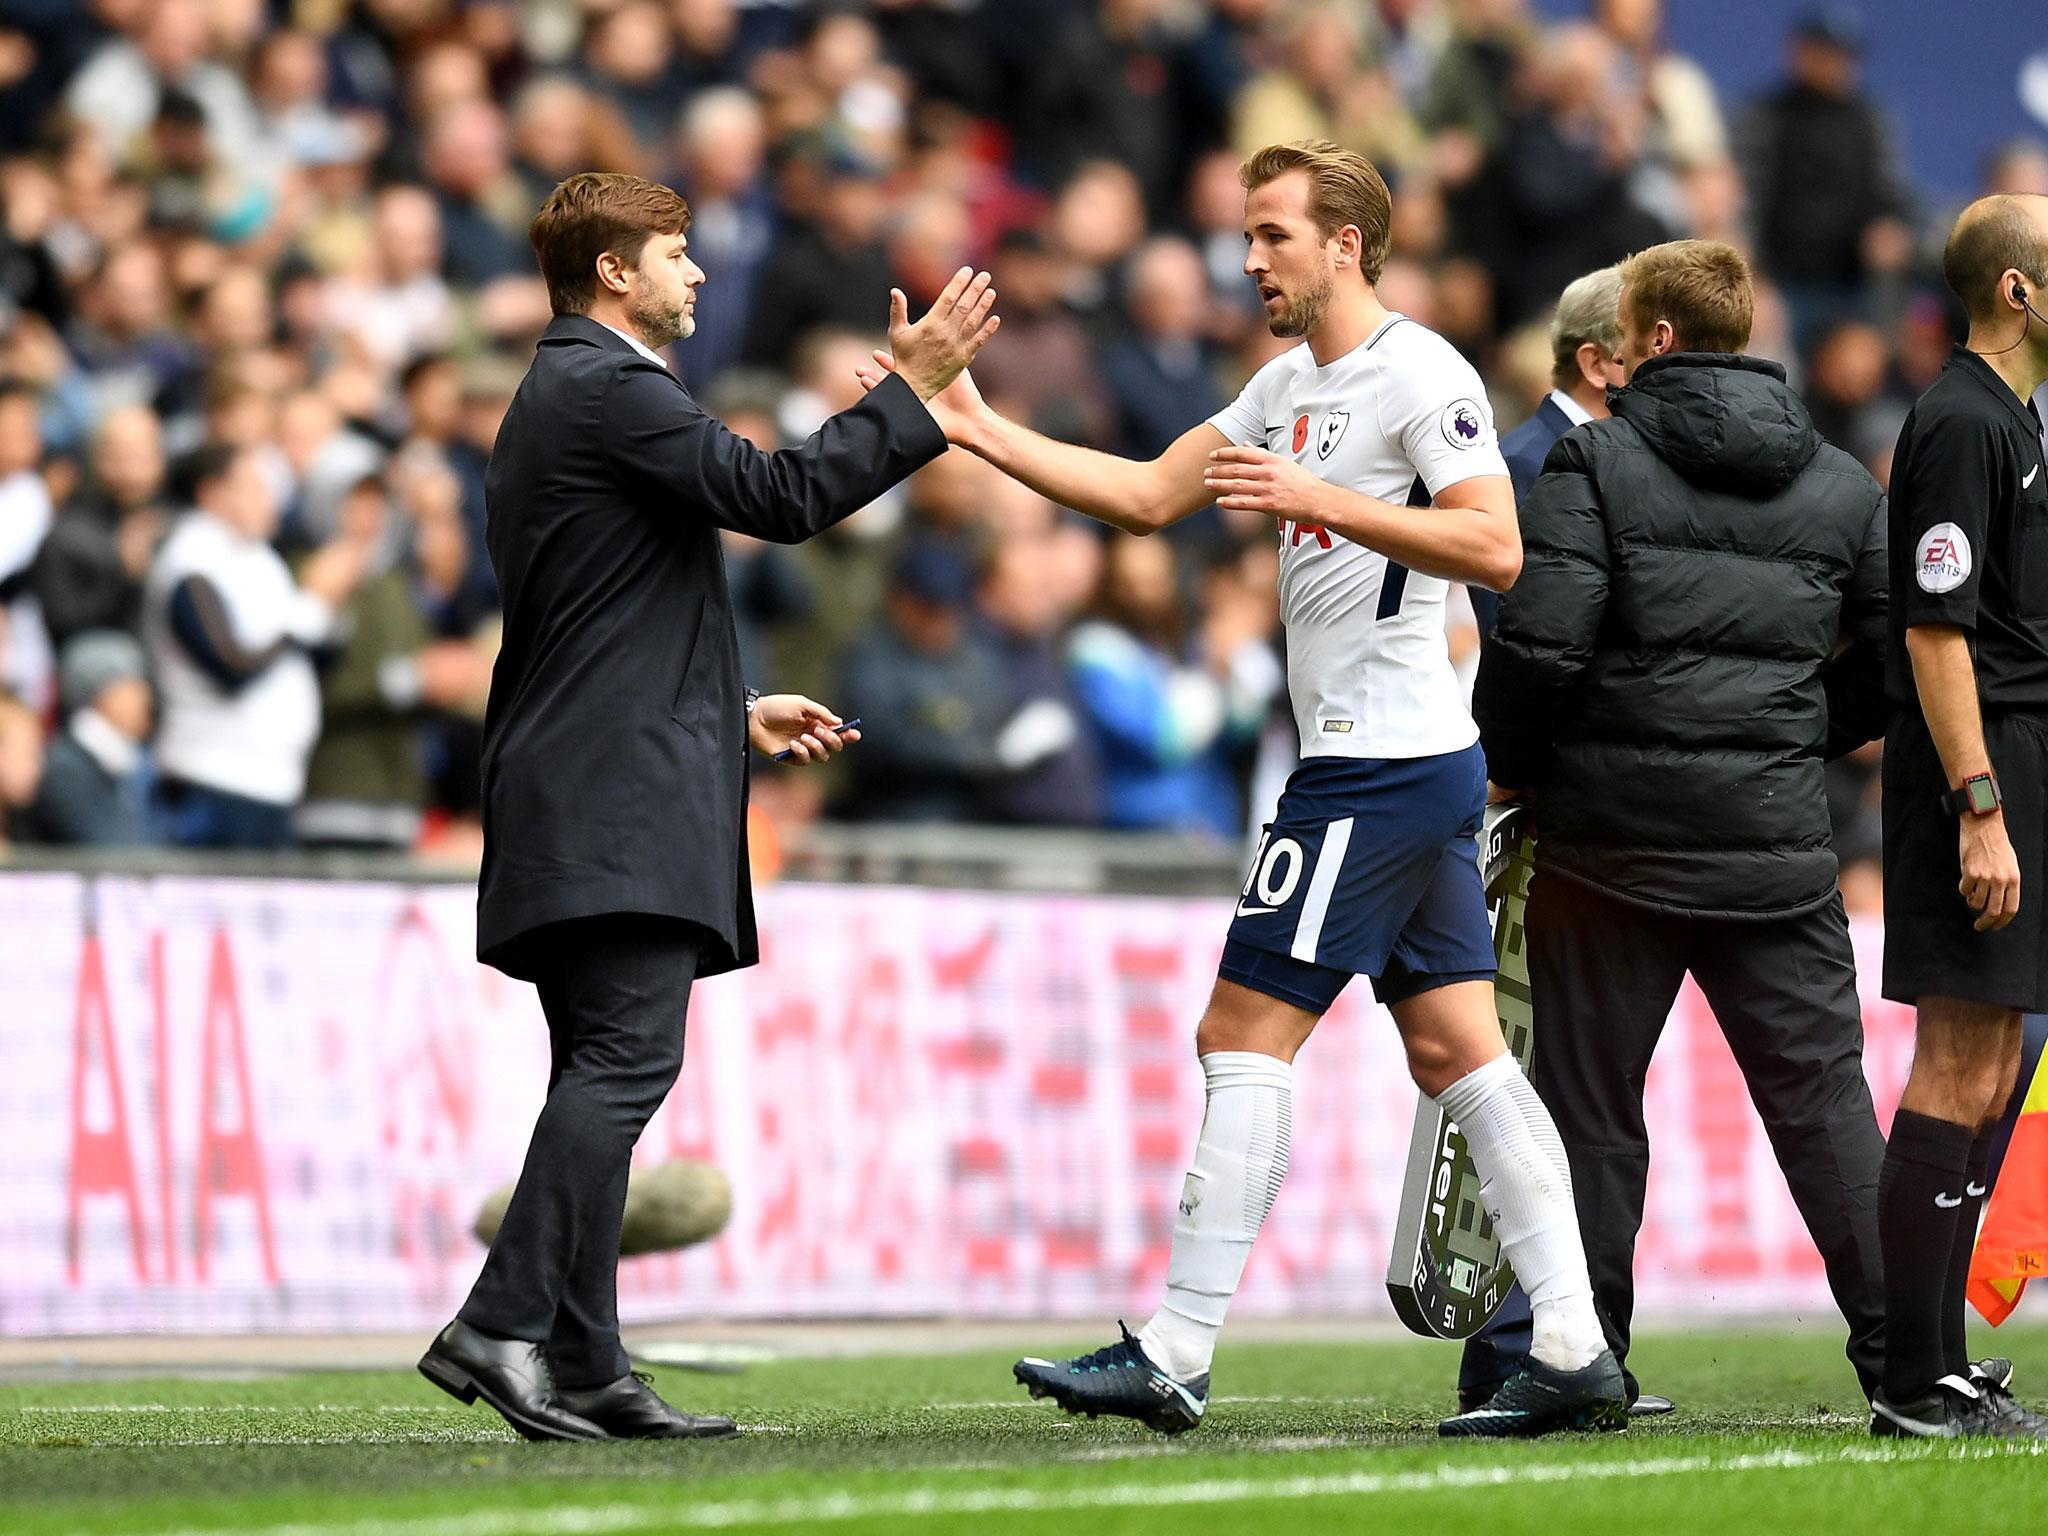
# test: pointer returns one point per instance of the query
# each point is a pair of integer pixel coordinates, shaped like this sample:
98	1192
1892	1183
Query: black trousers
1604	974
615	990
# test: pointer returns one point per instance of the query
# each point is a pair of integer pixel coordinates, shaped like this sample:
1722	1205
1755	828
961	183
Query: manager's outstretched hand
934	352
957	408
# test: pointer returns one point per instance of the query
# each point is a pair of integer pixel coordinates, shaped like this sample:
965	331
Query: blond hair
1344	188
1701	287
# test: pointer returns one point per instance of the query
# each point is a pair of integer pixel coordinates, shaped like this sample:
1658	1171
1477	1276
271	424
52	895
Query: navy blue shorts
1370	867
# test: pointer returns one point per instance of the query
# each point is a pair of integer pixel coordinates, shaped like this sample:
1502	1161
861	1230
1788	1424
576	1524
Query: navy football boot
1119	1380
1542	1399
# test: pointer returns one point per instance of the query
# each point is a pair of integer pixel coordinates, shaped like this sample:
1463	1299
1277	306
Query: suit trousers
615	990
1604	974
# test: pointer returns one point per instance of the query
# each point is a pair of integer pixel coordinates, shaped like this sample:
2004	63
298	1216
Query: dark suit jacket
1525	449
615	744
1529	445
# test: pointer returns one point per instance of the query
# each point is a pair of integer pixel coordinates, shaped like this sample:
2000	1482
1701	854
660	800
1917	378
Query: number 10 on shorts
1276	870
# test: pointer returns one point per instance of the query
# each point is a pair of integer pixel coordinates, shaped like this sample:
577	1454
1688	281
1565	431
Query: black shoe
510	1375
630	1409
1993	1378
1647	1405
1120	1380
1956	1409
1541	1399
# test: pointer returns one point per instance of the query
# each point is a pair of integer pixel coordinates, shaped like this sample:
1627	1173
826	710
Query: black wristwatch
1979	796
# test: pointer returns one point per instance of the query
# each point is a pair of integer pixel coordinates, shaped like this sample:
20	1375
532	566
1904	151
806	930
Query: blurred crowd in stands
265	290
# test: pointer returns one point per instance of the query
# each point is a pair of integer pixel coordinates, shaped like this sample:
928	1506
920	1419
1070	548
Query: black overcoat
615	743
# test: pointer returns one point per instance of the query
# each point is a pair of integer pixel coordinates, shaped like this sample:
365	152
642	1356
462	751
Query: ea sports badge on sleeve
1447	1275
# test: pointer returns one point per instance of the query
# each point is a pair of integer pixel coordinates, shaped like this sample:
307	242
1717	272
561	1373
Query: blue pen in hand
841	729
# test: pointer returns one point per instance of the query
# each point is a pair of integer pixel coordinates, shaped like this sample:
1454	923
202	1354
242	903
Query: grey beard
659	325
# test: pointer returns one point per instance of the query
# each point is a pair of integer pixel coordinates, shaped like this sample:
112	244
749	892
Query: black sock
1955	1301
1919	1198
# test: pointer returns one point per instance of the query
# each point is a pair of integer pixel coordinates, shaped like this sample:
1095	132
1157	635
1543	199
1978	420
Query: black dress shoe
510	1375
1647	1405
630	1409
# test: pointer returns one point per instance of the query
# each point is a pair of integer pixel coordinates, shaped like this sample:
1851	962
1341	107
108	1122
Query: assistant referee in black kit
1965	806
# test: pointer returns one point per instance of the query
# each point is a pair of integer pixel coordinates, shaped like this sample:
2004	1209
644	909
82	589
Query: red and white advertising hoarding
231	1105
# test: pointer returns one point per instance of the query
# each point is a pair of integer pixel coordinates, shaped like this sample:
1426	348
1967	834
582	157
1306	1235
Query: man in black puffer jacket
1699	623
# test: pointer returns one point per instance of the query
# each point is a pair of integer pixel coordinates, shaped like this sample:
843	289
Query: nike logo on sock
1973	1190
1948	1202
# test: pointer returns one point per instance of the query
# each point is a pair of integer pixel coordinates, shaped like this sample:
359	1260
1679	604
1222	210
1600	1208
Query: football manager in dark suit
614	761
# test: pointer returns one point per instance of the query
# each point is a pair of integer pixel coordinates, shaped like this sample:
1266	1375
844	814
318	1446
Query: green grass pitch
1303	1438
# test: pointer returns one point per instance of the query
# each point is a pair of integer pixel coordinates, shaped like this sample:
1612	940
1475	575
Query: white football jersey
1399	417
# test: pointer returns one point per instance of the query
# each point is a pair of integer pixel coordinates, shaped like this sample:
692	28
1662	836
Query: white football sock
1239	1163
1527	1186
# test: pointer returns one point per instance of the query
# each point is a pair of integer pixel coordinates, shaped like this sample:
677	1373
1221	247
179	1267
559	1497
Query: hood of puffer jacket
1724	422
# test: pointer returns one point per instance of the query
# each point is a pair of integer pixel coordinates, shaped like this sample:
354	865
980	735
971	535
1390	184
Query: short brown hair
1343	188
1993	236
589	214
1702	287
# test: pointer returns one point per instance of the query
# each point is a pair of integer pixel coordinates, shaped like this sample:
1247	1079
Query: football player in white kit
1374	450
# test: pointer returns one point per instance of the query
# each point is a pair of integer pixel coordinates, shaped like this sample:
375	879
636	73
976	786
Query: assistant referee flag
2013	1246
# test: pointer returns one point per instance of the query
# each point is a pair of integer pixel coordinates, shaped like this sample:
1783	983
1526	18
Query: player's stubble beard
1304	312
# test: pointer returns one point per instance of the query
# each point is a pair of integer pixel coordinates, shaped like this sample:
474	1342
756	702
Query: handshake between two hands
932	357
933	354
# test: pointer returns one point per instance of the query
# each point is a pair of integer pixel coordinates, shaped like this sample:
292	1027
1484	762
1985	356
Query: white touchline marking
427	1437
1041	1404
368	1408
597	1519
1148	1450
1027	1404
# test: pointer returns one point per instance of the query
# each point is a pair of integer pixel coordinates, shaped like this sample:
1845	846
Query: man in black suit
1585	362
614	759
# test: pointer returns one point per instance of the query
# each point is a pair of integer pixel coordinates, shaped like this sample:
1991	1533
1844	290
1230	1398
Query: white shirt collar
1576	413
637	345
105	745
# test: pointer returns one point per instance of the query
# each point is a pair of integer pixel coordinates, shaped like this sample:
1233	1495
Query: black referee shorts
1931	948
